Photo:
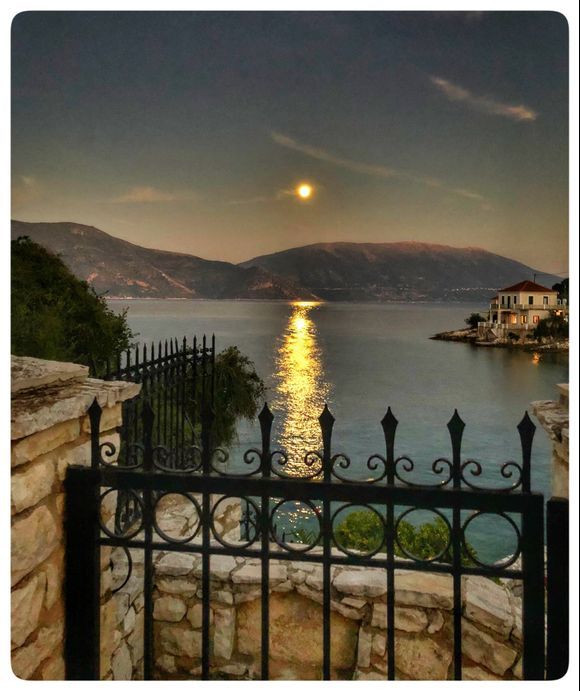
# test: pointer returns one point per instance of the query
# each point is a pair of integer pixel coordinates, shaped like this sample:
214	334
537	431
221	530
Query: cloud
150	195
25	188
253	200
483	104
269	199
374	170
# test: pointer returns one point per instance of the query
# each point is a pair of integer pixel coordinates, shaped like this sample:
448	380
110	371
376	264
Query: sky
191	131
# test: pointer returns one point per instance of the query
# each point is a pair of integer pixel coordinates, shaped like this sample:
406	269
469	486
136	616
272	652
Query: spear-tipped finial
326	418
527	429
456	424
265	417
389	424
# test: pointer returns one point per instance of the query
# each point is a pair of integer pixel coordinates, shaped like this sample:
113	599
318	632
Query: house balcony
519	306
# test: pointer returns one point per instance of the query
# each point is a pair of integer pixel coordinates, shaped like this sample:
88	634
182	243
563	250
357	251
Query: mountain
330	271
122	269
396	271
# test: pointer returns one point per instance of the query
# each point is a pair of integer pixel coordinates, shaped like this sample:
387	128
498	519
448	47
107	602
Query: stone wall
423	621
554	416
49	431
122	608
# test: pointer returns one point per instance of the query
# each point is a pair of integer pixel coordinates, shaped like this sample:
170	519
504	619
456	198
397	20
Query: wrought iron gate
146	471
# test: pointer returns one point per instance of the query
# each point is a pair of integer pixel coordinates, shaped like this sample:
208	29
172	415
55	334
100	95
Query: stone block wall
554	416
50	430
423	620
122	608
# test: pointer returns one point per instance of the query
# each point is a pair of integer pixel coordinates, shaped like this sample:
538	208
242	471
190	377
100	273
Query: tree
238	393
553	327
56	316
563	289
473	320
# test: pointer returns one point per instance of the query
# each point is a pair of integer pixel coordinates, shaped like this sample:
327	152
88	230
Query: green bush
55	316
552	328
363	530
238	393
473	320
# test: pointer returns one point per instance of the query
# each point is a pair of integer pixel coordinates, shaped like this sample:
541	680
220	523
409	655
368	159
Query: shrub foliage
473	320
56	316
363	530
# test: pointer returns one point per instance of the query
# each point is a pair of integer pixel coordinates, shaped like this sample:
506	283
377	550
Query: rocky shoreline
471	336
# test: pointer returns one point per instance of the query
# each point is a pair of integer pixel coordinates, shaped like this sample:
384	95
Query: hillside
332	271
121	269
395	271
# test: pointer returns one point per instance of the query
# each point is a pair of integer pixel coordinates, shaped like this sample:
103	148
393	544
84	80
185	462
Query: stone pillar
50	430
554	418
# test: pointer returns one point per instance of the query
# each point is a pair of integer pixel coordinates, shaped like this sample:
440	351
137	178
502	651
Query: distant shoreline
470	336
115	298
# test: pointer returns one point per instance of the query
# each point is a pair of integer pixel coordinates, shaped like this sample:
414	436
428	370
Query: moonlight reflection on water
301	387
363	358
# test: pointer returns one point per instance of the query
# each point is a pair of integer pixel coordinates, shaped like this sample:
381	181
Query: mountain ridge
395	271
388	271
124	269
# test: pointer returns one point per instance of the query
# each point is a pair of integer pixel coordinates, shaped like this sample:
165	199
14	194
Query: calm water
361	358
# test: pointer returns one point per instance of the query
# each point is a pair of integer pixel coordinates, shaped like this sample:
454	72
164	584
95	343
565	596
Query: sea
361	358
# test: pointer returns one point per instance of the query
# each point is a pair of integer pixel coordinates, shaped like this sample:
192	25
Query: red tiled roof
527	287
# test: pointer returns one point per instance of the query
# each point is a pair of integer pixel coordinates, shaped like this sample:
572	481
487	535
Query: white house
521	306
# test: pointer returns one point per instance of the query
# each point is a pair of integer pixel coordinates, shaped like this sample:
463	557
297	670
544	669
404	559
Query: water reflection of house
520	307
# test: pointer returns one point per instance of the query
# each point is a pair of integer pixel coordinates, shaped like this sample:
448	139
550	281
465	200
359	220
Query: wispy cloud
25	188
374	170
252	200
150	195
483	104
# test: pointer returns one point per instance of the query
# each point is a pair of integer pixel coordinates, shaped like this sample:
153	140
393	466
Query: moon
304	190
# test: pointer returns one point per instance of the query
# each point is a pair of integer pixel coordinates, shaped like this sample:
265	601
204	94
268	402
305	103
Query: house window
514	319
524	318
531	300
515	299
503	299
535	319
508	300
545	299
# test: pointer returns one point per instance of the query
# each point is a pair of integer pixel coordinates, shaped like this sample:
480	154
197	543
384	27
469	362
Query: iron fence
326	489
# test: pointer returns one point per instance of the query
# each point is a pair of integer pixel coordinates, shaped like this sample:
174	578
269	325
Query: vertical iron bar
389	424
183	404
265	418
194	392
558	544
326	424
148	509
165	440
533	596
206	465
456	427
171	397
82	581
158	387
